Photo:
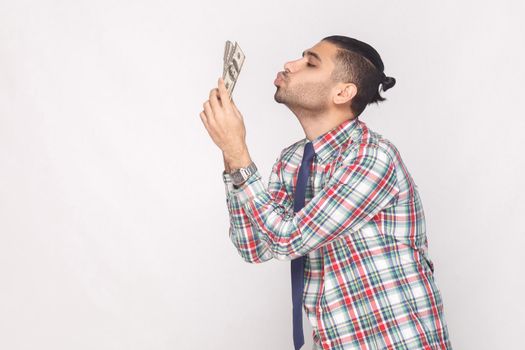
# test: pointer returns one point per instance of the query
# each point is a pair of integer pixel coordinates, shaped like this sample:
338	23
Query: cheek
322	88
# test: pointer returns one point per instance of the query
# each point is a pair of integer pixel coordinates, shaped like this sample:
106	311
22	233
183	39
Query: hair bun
388	82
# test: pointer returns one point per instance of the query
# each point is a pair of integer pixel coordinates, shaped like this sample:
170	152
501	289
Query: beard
305	96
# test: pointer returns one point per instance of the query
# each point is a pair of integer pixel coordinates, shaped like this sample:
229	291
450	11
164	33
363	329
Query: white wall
113	220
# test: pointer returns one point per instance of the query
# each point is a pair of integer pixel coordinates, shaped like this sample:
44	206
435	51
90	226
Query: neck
316	123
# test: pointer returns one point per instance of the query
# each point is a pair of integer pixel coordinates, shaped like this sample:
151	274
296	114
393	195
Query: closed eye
310	65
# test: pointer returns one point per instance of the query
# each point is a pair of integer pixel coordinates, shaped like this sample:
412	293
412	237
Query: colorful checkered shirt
368	280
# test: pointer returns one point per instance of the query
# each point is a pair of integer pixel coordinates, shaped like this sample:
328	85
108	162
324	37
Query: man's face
305	83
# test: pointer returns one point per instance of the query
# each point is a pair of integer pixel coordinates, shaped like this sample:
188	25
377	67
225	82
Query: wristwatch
239	176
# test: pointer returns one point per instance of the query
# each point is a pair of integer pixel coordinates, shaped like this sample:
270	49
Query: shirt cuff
250	189
228	183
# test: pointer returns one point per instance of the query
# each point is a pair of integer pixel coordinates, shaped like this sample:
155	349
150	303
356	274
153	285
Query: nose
287	67
290	66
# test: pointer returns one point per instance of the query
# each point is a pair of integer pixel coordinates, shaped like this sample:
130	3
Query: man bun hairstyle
359	63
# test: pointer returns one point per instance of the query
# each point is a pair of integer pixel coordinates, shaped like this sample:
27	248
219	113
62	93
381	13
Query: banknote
233	60
227	52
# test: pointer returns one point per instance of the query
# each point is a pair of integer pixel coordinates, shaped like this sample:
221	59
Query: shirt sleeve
358	189
242	232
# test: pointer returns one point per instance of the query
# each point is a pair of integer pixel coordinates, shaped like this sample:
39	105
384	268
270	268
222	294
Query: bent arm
242	232
355	193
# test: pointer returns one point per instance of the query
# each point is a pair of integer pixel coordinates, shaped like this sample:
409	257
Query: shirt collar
330	141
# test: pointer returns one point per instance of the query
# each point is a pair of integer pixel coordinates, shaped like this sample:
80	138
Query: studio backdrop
113	217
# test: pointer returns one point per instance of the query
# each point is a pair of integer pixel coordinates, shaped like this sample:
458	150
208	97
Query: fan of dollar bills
233	60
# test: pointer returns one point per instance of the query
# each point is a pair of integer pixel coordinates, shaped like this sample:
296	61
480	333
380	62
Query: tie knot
308	152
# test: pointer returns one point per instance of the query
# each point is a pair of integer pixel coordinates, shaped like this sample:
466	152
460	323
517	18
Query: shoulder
369	143
289	151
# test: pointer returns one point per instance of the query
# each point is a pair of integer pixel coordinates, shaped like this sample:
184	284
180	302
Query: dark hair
359	63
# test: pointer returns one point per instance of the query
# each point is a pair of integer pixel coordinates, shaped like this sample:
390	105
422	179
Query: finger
204	119
206	123
207	109
225	96
236	110
214	102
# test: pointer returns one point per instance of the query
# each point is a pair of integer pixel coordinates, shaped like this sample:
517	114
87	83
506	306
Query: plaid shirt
368	279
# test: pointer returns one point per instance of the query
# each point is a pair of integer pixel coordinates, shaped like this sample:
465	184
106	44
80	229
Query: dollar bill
227	51
233	60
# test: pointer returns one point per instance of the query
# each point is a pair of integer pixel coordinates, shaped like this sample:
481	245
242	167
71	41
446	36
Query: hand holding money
223	121
233	61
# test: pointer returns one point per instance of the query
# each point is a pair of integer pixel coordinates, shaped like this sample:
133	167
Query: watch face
242	174
237	177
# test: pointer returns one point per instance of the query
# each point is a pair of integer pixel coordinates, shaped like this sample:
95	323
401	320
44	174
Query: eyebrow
311	53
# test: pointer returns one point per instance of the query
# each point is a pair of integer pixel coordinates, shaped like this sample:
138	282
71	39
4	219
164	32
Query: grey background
113	219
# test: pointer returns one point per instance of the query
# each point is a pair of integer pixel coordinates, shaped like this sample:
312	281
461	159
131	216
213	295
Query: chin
275	96
278	96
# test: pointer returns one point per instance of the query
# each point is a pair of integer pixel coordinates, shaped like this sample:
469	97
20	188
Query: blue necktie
297	265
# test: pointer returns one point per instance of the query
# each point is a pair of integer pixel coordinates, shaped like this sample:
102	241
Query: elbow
267	255
248	254
253	260
281	256
256	259
287	253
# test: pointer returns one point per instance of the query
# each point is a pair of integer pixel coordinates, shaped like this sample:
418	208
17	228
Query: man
360	239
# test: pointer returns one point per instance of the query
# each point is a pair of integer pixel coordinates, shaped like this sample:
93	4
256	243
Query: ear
345	93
